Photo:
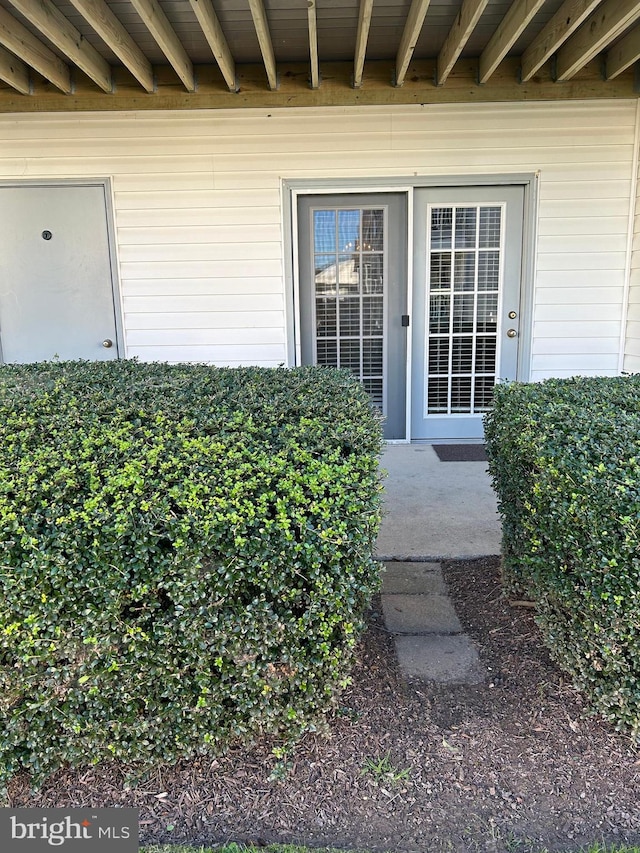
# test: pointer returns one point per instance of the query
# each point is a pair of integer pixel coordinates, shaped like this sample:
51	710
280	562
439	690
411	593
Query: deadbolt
512	315
107	343
511	333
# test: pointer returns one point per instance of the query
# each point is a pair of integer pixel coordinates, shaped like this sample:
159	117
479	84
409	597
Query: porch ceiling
166	54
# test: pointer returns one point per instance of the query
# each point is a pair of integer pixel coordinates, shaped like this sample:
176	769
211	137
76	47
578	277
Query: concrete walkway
433	510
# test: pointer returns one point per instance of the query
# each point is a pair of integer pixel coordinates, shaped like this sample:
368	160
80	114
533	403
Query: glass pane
487	312
484	386
464	271
350	355
462	355
437	396
326	318
327	353
374	389
324	230
372	230
439	355
348	274
463	309
486	355
439	313
460	394
372	315
463	312
325	275
348	254
440	278
488	270
466	227
348	230
490	222
372	273
372	357
349	317
441	227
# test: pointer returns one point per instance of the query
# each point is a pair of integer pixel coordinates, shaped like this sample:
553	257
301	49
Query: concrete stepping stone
429	639
420	614
443	659
413	578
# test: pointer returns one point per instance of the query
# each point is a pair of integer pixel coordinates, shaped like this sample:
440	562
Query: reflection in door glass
463	271
348	248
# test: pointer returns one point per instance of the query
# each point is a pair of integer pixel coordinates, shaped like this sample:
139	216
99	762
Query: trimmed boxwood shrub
564	456
186	556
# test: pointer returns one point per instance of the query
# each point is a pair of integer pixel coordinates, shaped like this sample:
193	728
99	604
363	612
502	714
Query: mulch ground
512	764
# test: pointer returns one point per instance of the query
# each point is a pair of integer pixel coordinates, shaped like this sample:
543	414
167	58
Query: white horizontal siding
199	224
210	320
559	284
631	338
168	253
574	315
238	288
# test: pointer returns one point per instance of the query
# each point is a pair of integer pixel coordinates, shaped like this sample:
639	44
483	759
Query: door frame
106	185
292	189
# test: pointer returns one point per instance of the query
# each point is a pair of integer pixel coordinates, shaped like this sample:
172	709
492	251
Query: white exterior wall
632	326
199	221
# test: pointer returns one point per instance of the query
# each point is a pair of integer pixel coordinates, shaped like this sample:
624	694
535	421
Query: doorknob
511	333
107	342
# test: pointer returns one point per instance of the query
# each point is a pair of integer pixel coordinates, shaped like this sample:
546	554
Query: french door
353	293
466	306
464	318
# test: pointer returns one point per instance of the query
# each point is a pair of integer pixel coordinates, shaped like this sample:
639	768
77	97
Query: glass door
352	251
466	312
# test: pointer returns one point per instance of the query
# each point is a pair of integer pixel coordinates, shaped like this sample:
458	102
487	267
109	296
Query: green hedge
186	556
564	456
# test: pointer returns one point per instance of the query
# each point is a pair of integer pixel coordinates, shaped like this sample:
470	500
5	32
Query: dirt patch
510	764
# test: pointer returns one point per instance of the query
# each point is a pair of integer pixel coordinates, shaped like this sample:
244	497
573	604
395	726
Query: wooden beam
362	36
264	39
599	30
336	89
21	42
210	26
163	33
48	19
509	30
623	54
563	24
463	26
313	43
415	20
14	72
114	35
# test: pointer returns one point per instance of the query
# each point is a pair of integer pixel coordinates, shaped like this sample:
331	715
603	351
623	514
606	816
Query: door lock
512	315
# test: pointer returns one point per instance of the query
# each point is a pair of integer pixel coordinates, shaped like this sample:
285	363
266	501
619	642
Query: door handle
107	342
511	333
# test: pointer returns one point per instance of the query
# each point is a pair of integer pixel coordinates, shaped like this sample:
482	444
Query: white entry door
466	306
57	289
